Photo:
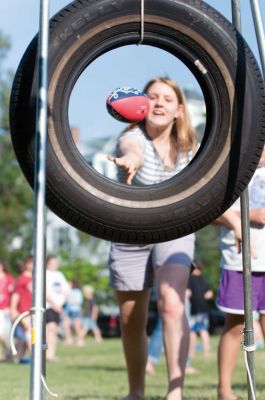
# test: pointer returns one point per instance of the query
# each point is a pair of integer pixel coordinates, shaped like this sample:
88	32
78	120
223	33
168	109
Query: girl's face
52	264
29	265
164	105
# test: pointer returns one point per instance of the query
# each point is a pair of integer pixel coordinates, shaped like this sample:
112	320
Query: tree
16	197
207	249
85	272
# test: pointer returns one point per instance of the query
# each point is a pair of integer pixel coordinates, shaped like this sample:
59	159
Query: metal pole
236	14
248	331
259	27
246	257
37	391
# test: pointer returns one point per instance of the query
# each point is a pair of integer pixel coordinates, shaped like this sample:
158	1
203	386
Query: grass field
98	372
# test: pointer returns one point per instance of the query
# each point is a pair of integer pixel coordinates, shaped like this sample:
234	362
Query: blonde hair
88	290
182	130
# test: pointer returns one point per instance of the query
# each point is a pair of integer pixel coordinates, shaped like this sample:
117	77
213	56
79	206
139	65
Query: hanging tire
233	90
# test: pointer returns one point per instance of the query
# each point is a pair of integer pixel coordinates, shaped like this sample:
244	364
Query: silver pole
37	391
246	257
259	27
236	14
249	342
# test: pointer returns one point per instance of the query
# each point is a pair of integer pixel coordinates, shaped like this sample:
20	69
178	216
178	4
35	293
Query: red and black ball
127	104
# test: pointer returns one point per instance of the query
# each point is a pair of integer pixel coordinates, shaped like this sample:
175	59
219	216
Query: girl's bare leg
133	317
172	283
228	351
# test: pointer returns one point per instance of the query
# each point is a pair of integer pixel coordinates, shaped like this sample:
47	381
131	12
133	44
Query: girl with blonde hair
149	153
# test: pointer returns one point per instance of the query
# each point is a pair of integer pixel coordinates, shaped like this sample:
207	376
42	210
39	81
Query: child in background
57	289
199	294
230	297
72	315
90	314
21	301
6	288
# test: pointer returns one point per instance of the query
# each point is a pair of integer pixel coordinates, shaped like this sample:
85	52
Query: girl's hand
238	238
132	157
130	162
57	308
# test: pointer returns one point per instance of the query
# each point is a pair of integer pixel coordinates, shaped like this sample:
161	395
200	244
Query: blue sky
19	20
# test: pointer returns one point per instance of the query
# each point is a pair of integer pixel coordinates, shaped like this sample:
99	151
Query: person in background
230	297
258	334
151	152
90	314
155	347
199	294
57	290
72	315
21	301
6	288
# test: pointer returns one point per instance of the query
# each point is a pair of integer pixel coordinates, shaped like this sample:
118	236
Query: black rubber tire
233	89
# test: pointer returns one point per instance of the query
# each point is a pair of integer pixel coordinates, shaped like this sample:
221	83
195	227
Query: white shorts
5	326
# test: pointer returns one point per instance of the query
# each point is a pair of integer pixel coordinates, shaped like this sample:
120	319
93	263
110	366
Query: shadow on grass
96	368
196	397
194	386
93	397
237	387
260	387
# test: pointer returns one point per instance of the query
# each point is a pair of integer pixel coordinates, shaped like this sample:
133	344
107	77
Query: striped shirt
153	170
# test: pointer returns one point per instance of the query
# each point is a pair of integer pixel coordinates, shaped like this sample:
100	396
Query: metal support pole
246	259
37	391
248	331
259	27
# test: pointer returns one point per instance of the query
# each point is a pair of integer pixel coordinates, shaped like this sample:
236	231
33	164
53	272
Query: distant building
64	237
197	110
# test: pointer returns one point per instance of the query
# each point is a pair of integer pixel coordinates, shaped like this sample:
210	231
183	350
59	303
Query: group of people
150	152
80	315
66	304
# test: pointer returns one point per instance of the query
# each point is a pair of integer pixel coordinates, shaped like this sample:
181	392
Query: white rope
142	23
249	347
12	333
246	350
15	324
12	344
249	375
46	387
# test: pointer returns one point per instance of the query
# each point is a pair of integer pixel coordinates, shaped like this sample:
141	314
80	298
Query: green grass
98	372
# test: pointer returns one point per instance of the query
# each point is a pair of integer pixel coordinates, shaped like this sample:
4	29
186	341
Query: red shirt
6	287
23	287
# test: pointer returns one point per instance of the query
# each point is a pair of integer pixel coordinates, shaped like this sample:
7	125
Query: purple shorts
230	297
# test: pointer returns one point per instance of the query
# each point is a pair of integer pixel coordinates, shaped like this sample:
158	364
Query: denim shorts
72	314
199	322
89	324
132	266
21	333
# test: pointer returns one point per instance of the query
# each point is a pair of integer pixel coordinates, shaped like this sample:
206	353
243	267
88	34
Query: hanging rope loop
141	24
